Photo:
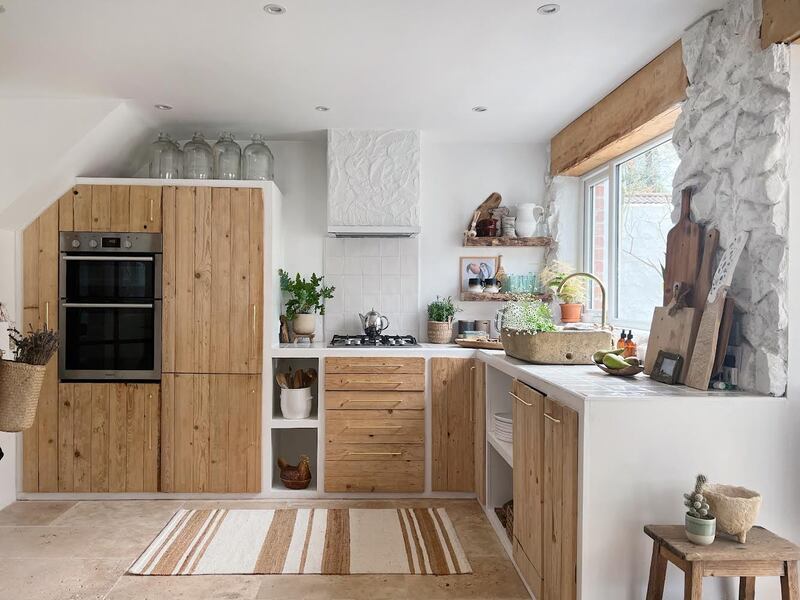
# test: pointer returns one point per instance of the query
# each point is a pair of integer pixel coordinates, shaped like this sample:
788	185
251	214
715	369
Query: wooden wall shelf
499	297
510	242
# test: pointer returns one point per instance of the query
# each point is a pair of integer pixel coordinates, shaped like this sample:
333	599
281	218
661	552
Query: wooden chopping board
481	344
672	333
705	346
684	247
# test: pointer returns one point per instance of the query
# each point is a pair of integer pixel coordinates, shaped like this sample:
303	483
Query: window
627	211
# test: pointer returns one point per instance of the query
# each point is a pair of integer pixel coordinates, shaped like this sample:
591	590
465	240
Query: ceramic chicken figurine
301	474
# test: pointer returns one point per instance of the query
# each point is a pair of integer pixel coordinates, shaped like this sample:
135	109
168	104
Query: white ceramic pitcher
529	215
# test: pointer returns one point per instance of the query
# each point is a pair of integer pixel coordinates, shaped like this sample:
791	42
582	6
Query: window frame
610	171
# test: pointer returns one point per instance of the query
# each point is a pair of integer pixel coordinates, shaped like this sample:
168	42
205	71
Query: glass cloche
164	158
257	160
227	158
198	158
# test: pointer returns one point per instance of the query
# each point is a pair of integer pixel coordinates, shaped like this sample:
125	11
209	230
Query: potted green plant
701	525
440	320
306	300
571	296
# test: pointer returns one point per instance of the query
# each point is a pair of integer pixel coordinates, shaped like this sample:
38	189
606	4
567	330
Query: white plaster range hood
373	183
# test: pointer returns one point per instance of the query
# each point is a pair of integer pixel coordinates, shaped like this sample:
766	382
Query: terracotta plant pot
304	324
440	332
736	508
571	313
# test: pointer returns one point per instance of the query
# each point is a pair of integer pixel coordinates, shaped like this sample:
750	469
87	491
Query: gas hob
378	341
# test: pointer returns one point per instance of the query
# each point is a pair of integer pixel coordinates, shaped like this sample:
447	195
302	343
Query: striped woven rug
337	541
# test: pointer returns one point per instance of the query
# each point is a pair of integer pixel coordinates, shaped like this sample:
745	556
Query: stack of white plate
502	427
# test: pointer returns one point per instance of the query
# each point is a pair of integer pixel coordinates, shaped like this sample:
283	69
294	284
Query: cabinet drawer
528	571
400	427
374	476
366	400
374	452
387	382
376	364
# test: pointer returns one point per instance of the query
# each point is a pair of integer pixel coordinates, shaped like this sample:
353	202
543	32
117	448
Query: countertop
320	349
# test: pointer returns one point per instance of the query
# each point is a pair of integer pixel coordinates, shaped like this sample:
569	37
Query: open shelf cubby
290	444
283	365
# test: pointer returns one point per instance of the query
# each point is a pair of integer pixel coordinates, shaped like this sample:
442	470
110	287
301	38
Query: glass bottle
621	341
630	346
227	158
257	160
198	159
164	158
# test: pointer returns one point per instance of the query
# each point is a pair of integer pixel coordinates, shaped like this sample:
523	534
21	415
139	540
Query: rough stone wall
732	137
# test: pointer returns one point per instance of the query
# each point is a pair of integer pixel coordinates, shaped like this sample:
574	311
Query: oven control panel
83	241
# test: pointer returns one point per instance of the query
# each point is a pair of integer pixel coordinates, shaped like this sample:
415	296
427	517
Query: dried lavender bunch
695	502
36	348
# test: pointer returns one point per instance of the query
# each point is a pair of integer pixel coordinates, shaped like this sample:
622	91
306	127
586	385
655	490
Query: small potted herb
306	300
701	525
571	296
440	320
21	379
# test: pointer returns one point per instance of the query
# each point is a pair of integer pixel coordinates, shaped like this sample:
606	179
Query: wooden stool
764	554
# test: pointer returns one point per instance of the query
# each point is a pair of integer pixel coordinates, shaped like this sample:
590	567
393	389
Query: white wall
793	296
8	297
455	179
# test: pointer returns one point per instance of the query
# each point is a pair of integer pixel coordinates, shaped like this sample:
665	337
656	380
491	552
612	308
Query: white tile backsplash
379	273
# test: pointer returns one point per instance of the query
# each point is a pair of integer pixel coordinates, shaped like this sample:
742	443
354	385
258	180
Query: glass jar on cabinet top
227	158
198	158
257	160
165	158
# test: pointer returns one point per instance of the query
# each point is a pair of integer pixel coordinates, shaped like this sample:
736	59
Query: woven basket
509	507
440	332
20	384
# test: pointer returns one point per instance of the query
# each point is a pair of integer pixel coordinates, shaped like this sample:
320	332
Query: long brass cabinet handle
254	318
374	427
513	395
374	453
472	393
372	401
151	211
553	419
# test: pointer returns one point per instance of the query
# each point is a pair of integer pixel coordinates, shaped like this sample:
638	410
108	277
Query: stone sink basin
563	347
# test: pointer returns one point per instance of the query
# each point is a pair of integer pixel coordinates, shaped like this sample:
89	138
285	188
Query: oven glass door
111	341
115	278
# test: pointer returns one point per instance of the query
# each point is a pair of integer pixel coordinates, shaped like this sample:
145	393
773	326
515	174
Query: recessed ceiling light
480	108
321	108
163	106
548	9
274	9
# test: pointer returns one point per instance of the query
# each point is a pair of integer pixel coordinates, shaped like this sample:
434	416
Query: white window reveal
627	215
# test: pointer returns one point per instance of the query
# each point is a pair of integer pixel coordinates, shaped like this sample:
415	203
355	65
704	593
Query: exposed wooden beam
781	23
643	107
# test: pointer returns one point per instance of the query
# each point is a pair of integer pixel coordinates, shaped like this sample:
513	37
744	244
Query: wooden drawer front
386	382
528	571
399	427
375	365
374	476
367	400
374	452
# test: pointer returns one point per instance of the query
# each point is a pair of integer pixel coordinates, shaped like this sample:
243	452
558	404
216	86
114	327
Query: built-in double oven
110	306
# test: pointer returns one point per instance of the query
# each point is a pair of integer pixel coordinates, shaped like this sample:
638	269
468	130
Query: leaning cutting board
672	333
705	274
684	248
705	346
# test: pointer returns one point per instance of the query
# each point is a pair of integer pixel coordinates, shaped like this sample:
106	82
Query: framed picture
482	267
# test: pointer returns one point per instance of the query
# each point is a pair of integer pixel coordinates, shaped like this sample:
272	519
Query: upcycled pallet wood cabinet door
135	208
560	524
453	424
108	437
213	281
211	433
375	432
528	448
40	308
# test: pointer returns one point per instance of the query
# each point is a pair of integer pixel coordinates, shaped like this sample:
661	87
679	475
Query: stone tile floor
81	550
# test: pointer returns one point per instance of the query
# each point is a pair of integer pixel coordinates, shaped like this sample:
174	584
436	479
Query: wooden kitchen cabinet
480	431
560	522
528	448
108	437
375	424
211	433
453	424
213	282
40	308
118	208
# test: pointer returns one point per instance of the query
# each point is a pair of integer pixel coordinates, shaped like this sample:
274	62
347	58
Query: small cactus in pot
701	525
